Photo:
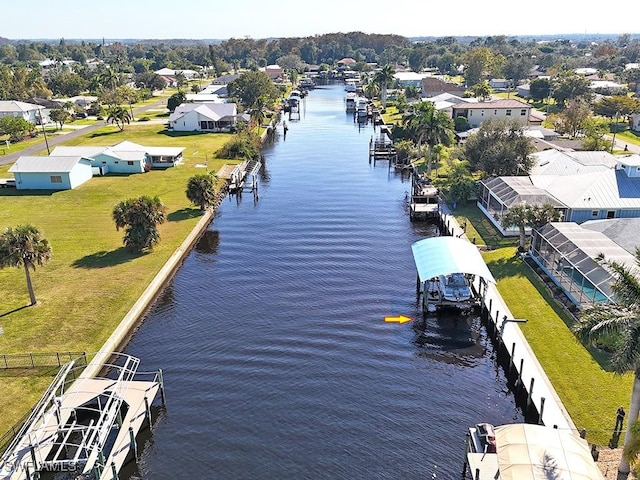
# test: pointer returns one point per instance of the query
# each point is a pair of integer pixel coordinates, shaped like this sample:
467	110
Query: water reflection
208	242
451	338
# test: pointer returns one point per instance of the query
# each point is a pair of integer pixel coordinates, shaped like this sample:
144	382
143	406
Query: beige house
504	109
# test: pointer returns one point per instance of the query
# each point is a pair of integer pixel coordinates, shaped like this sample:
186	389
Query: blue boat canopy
444	255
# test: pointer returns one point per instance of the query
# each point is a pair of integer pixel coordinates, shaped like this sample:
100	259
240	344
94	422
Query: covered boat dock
438	256
534	452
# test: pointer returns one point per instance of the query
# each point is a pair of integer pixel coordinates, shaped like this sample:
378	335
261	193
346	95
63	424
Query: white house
27	111
51	173
478	112
204	117
412	79
124	157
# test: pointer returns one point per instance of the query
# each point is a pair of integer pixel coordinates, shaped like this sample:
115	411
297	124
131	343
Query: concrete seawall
125	328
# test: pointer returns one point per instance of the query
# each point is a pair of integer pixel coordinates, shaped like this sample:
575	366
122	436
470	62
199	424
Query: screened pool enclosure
569	254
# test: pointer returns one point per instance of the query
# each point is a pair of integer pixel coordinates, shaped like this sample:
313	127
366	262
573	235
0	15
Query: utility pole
44	132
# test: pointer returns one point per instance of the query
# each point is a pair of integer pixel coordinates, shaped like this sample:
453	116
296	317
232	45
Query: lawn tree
201	190
481	90
459	185
150	80
140	218
15	127
570	120
176	100
59	116
595	132
24	246
619	325
540	88
526	215
571	86
616	106
250	86
257	112
383	78
118	115
517	68
477	61
500	147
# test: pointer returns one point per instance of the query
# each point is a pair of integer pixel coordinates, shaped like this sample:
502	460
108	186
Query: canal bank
278	362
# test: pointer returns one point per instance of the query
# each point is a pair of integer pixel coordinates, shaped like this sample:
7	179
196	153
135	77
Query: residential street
58	139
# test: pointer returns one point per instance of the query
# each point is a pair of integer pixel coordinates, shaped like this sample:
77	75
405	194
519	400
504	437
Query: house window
508	113
56	179
611	214
523	112
129	162
595	213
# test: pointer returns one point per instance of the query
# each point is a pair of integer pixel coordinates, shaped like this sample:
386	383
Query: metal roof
29	164
444	255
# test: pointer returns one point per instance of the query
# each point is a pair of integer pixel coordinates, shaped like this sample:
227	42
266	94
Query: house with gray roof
124	157
582	186
27	111
204	117
51	173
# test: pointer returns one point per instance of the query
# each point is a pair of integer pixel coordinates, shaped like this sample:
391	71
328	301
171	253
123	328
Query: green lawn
590	392
91	281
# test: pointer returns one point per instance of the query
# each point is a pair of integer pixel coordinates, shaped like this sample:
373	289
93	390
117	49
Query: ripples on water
278	363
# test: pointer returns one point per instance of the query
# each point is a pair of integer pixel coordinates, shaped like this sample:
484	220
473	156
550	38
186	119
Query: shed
51	173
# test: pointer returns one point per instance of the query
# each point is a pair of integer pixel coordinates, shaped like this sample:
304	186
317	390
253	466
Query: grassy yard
588	389
91	281
590	392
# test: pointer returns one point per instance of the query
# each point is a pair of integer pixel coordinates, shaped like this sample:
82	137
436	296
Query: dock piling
161	382
132	442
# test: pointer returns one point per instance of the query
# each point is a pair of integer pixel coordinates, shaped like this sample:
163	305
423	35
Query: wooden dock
241	177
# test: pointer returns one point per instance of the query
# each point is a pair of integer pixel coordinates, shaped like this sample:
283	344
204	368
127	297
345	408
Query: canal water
278	362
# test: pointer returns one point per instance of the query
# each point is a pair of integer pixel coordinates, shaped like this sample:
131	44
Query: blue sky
222	19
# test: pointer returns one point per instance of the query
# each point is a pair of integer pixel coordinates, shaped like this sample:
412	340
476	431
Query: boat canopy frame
445	255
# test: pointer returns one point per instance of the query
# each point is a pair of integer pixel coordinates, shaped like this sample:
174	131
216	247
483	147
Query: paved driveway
58	139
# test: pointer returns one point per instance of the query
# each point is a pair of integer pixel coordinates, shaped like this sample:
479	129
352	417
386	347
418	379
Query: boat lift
85	425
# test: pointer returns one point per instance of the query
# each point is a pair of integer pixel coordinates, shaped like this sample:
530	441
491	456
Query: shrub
144	119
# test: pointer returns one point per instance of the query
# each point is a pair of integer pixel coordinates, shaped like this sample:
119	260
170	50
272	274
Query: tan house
504	109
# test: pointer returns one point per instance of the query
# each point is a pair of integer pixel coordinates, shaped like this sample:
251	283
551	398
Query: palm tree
481	90
372	90
109	78
257	113
619	321
527	215
383	78
201	190
118	115
426	124
24	246
140	218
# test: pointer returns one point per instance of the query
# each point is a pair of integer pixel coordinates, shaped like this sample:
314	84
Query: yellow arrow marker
399	319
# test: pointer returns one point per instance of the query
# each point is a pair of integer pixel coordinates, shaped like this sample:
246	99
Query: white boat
362	108
454	287
350	102
451	290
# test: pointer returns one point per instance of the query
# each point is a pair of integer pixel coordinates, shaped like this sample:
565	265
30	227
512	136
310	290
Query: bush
144	119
